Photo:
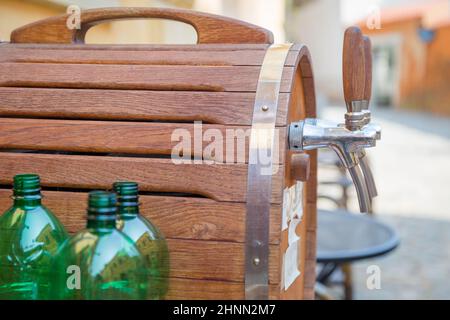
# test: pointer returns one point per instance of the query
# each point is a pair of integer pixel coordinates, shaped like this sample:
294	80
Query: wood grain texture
139	105
210	28
182	289
300	167
214	260
296	113
139	57
310	212
353	65
312	219
368	68
307	96
221	182
197	78
214	83
177	217
302	105
131	138
310	268
142	47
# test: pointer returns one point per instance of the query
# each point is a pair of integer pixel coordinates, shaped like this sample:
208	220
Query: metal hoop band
259	179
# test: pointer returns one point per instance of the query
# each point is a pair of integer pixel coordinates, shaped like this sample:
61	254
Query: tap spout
368	176
312	134
365	203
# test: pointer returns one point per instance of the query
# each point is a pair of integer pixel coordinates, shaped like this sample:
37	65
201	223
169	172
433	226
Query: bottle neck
128	210
27	190
104	218
127	198
101	222
128	205
102	211
27	200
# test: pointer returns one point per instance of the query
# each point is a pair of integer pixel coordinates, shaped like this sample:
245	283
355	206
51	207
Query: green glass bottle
147	237
29	238
100	262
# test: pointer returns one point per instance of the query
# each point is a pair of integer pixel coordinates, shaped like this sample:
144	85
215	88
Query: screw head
256	261
265	108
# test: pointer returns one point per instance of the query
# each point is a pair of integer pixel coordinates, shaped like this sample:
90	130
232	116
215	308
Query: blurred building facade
317	24
412	56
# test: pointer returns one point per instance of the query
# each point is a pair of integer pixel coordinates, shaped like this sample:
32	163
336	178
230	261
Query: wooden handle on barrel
368	68
300	167
210	28
353	69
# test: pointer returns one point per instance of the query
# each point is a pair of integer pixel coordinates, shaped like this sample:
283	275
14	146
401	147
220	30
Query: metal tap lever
365	167
310	134
354	82
359	180
347	139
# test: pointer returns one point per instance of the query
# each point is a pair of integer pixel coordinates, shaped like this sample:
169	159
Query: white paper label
290	263
292	204
286	208
299	192
292	233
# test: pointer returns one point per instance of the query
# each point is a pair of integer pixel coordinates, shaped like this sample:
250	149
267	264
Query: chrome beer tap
348	139
365	109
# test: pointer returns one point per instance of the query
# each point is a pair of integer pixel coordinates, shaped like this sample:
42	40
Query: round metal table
344	237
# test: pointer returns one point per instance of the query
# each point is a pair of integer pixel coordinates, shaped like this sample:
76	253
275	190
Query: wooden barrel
83	116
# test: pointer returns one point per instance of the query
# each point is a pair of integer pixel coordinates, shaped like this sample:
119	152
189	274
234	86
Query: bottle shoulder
99	242
26	228
138	227
29	238
31	216
98	253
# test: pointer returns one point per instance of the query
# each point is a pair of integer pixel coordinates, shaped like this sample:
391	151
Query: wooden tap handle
368	67
353	66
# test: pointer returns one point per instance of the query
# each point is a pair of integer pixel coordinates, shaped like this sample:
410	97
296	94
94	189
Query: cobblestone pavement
412	168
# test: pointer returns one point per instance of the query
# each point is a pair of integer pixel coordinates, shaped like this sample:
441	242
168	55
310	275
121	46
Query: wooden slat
140	57
214	260
147	47
177	217
213	107
197	78
182	289
129	137
222	182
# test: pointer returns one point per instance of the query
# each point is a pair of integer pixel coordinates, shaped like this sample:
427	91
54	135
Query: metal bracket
259	179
